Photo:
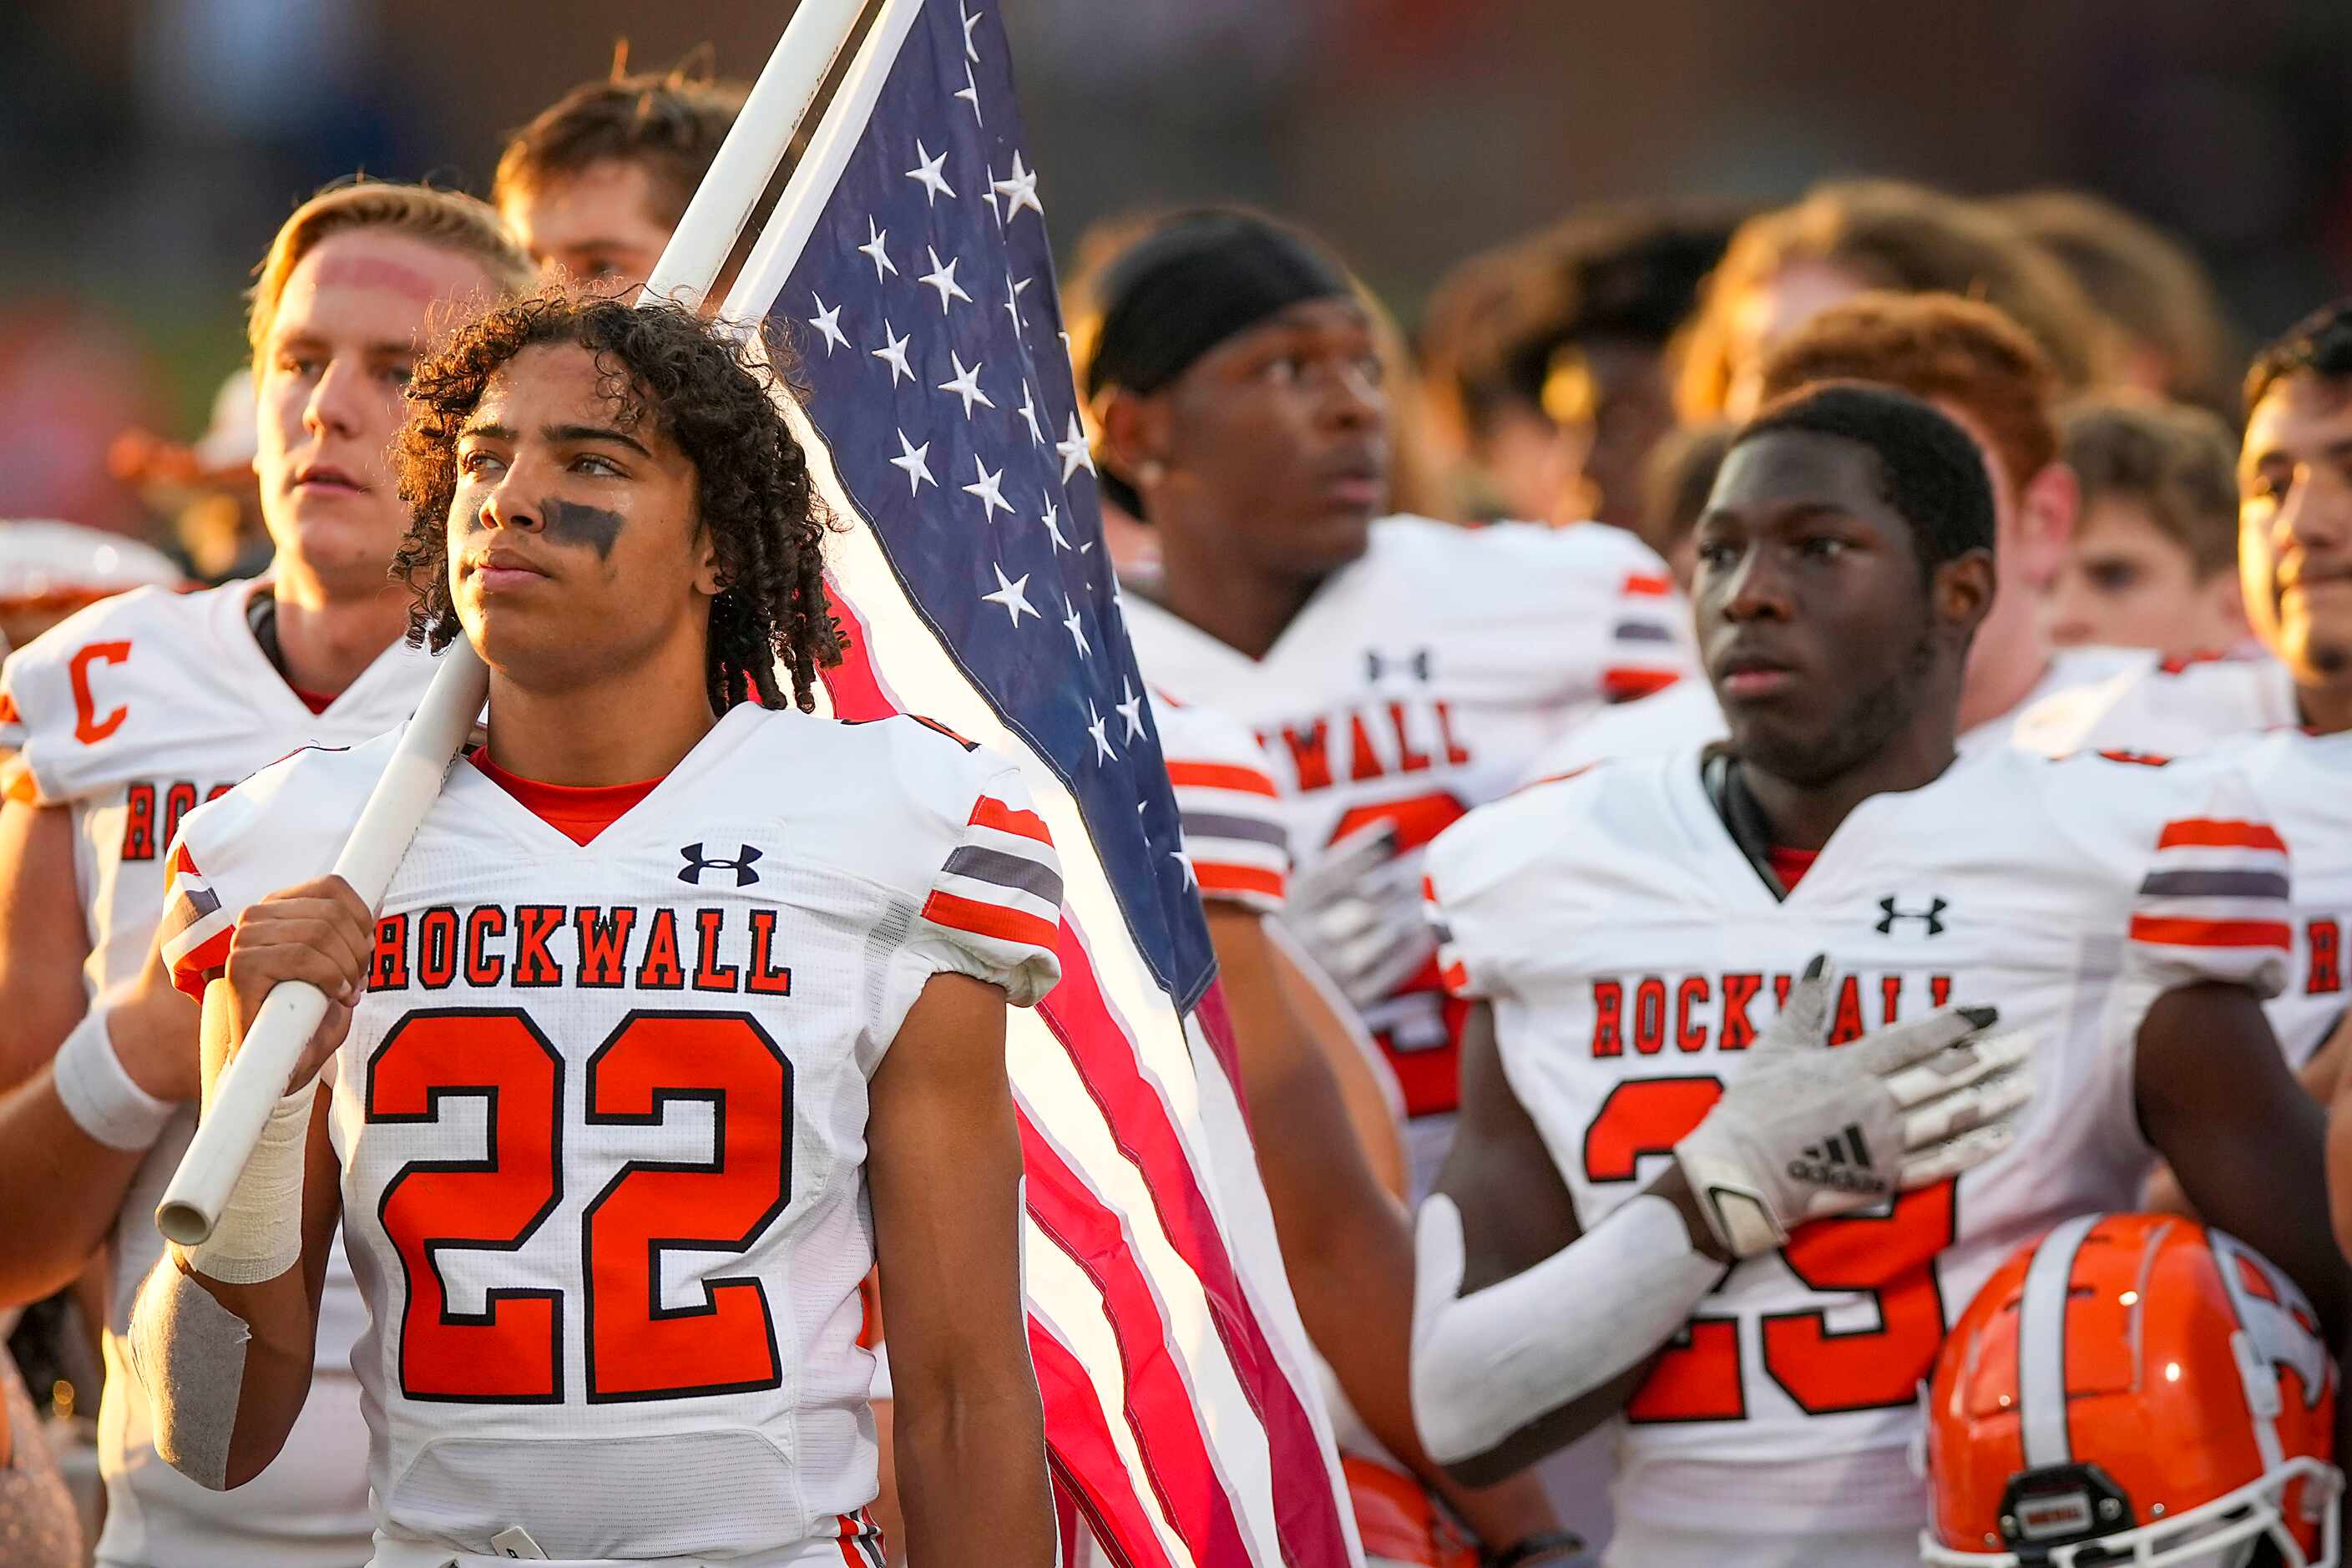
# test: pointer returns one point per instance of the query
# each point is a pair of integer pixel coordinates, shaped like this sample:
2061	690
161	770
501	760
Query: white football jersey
1687	714
1420	681
602	1115
2245	710
1631	953
1235	837
130	714
2166	708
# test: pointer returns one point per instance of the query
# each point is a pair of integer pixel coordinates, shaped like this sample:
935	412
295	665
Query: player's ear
708	579
2047	507
1135	431
1962	589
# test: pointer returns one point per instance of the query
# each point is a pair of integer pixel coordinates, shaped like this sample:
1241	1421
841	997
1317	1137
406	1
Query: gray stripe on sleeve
1642	631
984	865
2215	885
1222	825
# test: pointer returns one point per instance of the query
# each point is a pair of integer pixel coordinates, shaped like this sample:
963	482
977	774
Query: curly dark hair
665	365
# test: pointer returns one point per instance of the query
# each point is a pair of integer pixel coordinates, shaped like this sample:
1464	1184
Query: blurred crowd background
149	148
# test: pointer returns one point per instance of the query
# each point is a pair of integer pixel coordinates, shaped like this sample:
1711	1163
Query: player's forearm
226	1367
1524	1366
971	1472
60	1190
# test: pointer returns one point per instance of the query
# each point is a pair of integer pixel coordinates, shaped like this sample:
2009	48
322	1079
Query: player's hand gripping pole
255	1079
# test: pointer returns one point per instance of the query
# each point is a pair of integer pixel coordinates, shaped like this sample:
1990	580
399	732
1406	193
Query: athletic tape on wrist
1488	1364
98	1093
259	1233
189	1351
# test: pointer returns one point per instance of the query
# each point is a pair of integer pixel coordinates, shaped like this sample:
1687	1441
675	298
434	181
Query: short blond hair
1906	240
448	219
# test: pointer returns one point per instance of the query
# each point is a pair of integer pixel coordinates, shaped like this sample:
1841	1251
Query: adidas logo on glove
1842	1161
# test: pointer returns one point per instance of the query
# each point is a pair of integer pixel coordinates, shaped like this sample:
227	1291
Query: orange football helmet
2133	1389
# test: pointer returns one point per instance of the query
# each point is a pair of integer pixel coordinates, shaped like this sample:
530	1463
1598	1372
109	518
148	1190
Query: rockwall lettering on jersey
1376	741
725	951
2324	972
1691	1013
147	831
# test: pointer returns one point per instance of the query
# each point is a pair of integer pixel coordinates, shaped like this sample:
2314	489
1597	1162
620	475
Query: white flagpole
256	1078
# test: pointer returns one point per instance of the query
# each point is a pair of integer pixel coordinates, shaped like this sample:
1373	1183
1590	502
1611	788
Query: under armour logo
1932	915
1376	665
696	863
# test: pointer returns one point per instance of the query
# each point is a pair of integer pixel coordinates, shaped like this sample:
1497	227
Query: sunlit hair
670	123
1936	347
1901	238
676	376
452	221
2320	344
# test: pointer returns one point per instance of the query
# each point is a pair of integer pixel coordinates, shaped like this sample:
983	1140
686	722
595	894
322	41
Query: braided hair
665	365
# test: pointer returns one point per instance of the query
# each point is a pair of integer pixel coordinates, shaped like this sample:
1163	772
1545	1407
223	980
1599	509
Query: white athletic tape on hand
1488	1364
100	1095
259	1235
189	1351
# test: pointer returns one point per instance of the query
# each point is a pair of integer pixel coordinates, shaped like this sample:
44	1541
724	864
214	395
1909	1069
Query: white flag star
942	278
1028	412
1019	191
1011	594
1103	752
971	20
915	460
1191	878
990	489
1075	454
829	323
966	385
1132	709
989	196
1052	520
926	173
1012	299
1074	624
893	352
971	94
873	249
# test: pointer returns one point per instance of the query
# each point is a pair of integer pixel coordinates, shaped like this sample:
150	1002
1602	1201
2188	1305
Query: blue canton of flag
930	340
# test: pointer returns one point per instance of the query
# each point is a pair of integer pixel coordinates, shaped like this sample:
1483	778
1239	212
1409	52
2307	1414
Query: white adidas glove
1357	910
1807	1132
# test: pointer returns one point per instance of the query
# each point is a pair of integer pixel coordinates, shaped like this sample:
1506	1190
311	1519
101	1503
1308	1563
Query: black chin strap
1718	771
261	616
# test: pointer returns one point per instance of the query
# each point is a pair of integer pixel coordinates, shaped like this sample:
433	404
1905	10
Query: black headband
1197	282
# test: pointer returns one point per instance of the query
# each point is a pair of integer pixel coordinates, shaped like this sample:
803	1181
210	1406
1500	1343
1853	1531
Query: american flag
1181	1407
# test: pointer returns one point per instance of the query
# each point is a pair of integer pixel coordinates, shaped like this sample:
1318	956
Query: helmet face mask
2134	1390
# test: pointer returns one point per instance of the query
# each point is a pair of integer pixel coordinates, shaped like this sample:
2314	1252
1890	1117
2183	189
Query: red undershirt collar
579	813
1790	865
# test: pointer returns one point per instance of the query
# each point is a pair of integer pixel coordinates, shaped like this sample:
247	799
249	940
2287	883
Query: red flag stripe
1220	776
2210	933
2200	832
1308	1516
993	813
1159	1410
1083	1450
987	919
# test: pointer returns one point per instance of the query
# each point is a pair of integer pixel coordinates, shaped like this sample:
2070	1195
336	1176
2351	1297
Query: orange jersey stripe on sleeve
1216	877
1624	684
1221	775
196	967
988	920
2175	933
1648	585
993	813
2200	833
